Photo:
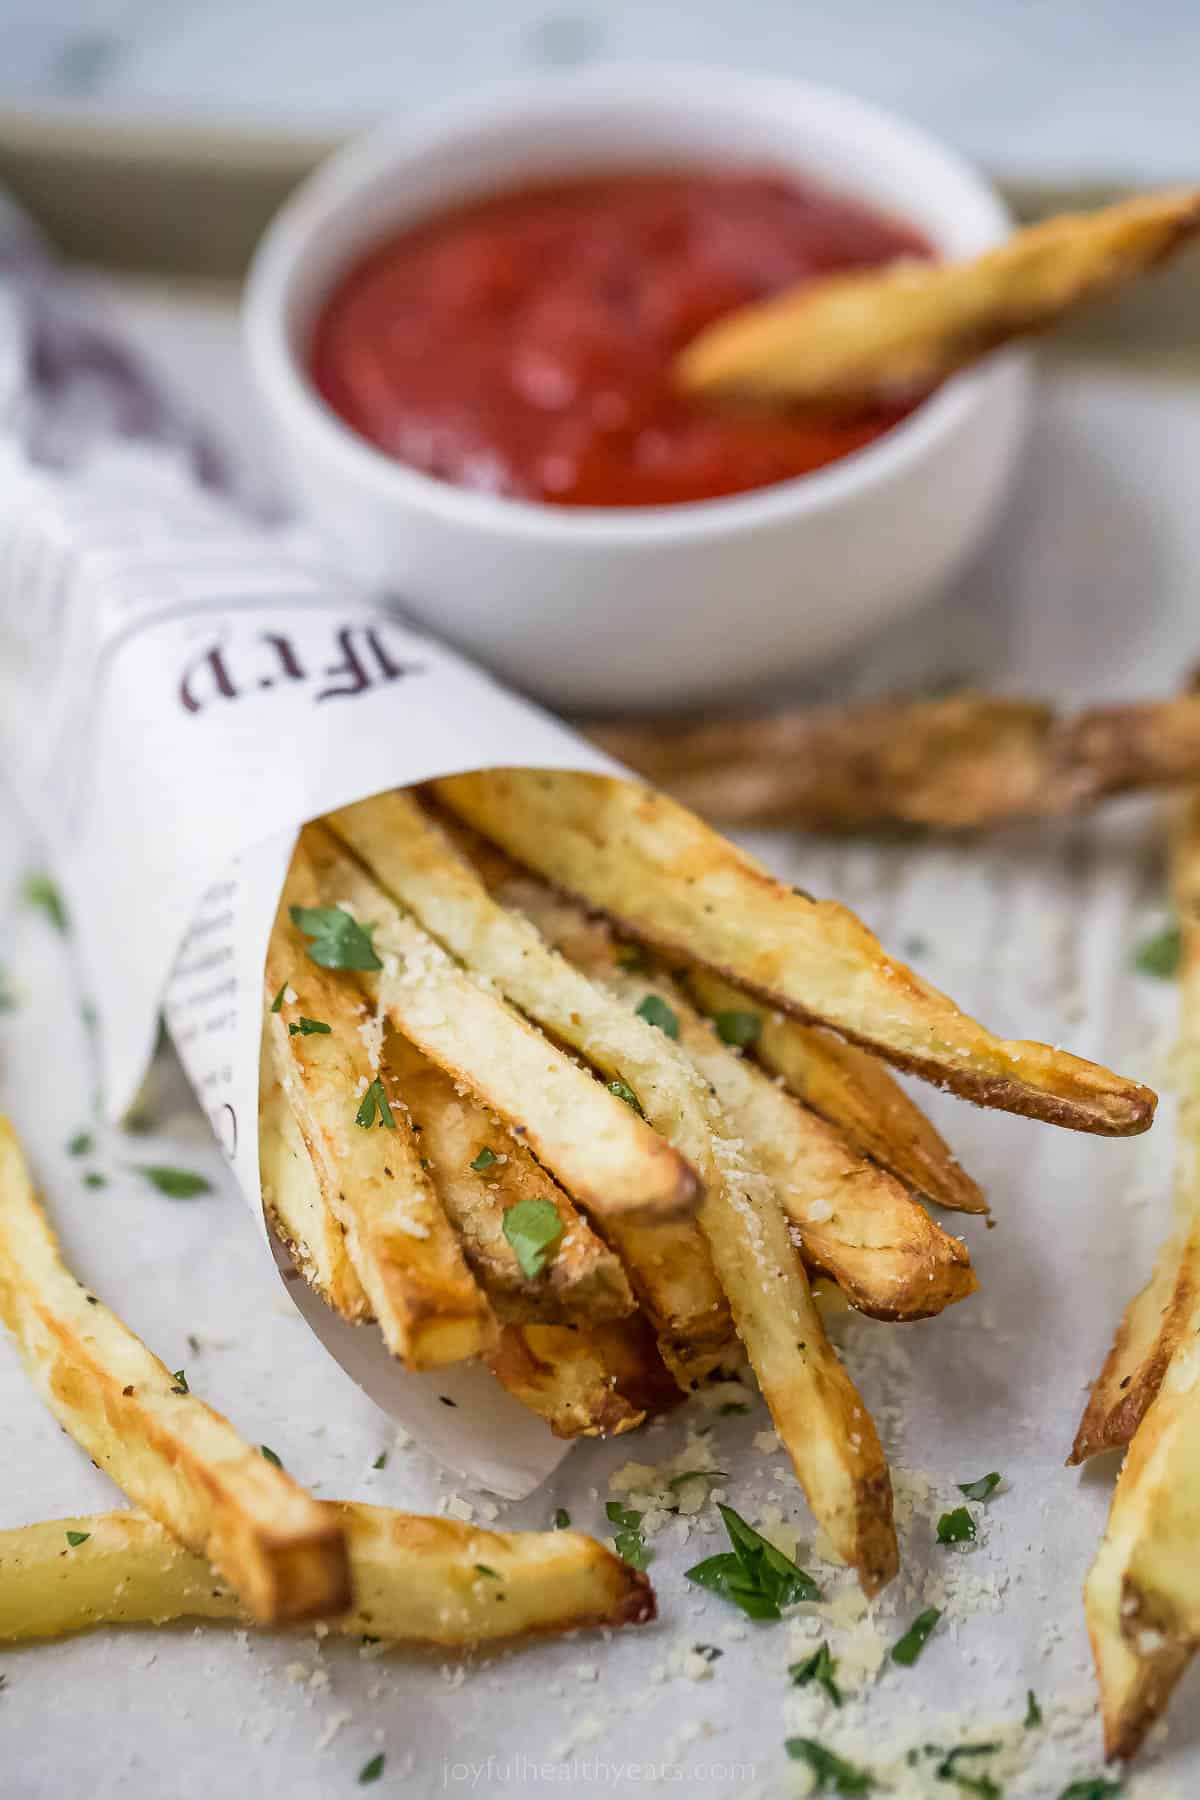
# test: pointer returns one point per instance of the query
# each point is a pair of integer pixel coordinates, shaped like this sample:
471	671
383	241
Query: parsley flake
983	1785
1160	954
631	957
277	1002
534	1229
176	1184
81	1144
754	1575
309	1028
1033	1712
910	1646
337	941
655	1011
983	1489
741	1029
381	1460
371	1771
482	1569
830	1772
181	1382
678	1481
624	1092
93	1179
375	1101
957	1527
562	1519
75	1538
1098	1788
820	1667
728	1408
628	1541
39	891
270	1455
484	1160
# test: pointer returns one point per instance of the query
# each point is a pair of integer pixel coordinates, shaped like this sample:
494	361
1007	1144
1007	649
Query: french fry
404	1250
855	1223
416	1580
816	1409
1148	1336
604	1155
861	339
952	764
663	876
589	1381
667	1263
583	1281
851	1089
281	1551
1142	1598
293	1203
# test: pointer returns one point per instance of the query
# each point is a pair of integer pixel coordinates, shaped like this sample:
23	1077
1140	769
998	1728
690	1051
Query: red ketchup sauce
522	345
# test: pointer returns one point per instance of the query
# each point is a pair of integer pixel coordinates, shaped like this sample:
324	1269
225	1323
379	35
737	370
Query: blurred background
1048	89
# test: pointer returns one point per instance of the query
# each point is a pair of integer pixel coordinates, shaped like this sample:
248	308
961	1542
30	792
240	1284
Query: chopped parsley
81	1144
983	1489
910	1646
534	1229
176	1184
655	1011
1160	954
181	1382
482	1569
270	1455
1033	1712
562	1519
371	1771
820	1667
93	1179
678	1481
631	957
729	1407
1098	1788
374	1102
830	1772
628	1541
484	1160
309	1028
337	941
381	1460
39	891
741	1029
277	1002
948	1770
957	1527
75	1538
624	1092
754	1575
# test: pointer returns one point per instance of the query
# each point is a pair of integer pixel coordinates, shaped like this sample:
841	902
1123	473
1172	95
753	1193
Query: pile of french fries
556	1078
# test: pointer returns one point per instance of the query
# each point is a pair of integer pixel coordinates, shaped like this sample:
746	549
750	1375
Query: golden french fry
663	876
582	1281
585	1381
1148	1336
887	334
404	1250
416	1580
604	1155
817	1411
668	1263
293	1203
953	764
855	1223
851	1089
1142	1598
281	1551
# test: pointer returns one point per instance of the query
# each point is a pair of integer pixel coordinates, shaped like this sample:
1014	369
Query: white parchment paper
1089	590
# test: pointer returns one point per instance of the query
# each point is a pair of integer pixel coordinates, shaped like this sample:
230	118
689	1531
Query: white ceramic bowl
641	606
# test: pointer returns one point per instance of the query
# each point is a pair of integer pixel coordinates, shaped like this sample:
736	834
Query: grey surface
1047	88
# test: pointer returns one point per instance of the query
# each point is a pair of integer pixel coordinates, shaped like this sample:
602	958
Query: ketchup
522	345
